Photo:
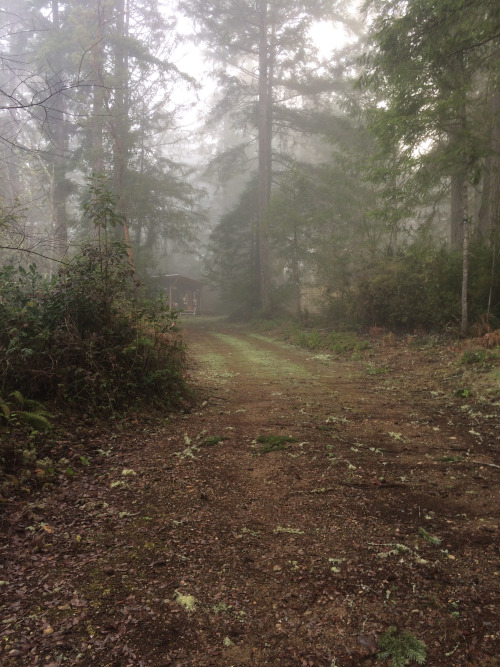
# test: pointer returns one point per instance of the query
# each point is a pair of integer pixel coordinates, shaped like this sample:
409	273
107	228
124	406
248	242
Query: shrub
85	338
21	419
16	410
343	342
419	287
401	647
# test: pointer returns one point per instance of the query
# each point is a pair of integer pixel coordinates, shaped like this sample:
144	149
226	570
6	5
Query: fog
271	150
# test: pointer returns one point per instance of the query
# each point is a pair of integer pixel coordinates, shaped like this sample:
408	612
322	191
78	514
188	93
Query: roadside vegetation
416	288
88	343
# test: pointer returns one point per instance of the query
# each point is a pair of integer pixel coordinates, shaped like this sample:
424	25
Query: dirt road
306	505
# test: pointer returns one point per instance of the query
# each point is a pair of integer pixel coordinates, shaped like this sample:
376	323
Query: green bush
16	410
84	338
342	342
419	287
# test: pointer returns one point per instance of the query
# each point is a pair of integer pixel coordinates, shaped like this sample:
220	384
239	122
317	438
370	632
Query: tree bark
465	260
489	212
98	93
119	122
457	208
57	120
265	158
296	273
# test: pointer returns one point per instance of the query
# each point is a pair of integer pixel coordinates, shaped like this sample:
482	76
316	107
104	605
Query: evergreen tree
89	91
154	195
265	56
434	67
232	255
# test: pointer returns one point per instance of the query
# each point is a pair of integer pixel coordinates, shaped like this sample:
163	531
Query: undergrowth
274	443
402	647
88	340
419	287
335	342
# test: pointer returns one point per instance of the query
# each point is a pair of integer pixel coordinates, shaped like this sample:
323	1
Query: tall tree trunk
120	120
60	230
465	260
98	92
11	183
265	159
495	171
484	212
488	217
457	208
466	220
296	273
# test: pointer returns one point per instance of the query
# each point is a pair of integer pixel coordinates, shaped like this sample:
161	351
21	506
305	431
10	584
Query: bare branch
33	252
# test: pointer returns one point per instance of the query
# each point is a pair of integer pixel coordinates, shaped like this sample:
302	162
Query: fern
26	410
402	648
18	397
4	409
34	419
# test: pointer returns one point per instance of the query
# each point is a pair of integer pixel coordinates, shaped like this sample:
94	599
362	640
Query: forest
333	162
315	156
303	472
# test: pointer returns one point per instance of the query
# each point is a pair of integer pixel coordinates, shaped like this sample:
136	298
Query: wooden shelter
183	293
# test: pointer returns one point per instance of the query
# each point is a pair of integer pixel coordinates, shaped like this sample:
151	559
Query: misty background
312	157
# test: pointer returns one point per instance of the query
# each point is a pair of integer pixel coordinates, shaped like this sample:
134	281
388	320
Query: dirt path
306	506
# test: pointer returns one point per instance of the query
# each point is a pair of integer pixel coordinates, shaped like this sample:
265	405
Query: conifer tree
265	56
433	70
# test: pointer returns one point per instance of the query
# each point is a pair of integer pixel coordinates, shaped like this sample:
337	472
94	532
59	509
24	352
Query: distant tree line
382	164
86	88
